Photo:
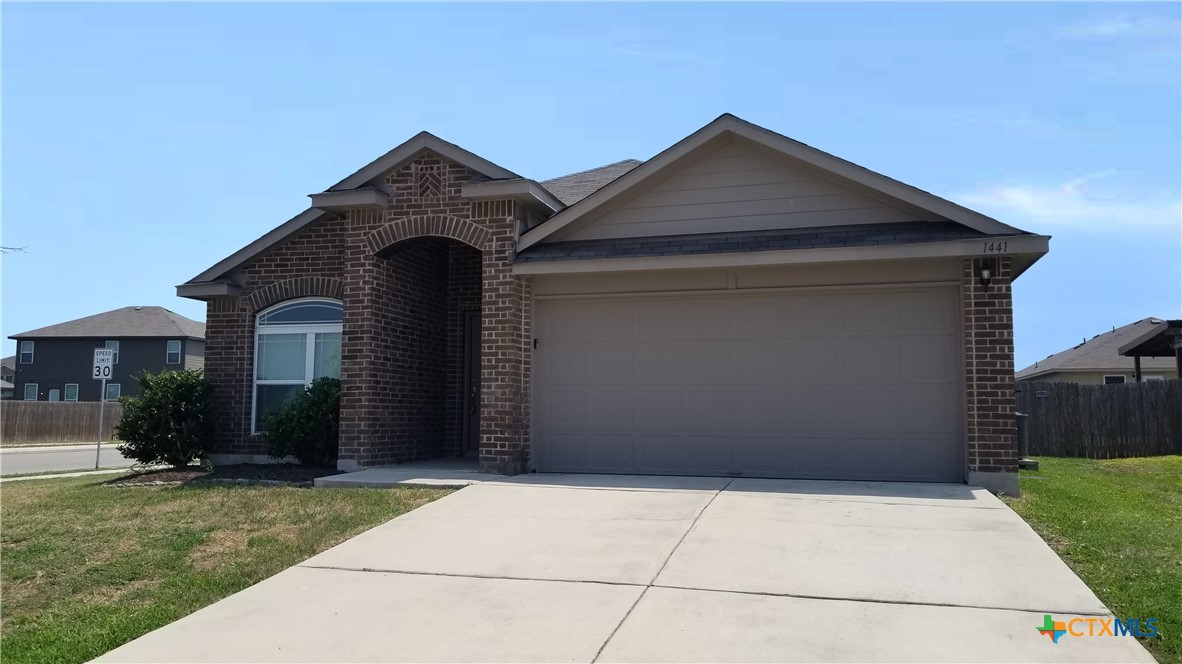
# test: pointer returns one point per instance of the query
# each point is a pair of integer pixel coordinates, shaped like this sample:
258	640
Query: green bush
171	421
308	427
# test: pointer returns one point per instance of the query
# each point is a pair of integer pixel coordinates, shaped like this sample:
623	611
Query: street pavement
55	458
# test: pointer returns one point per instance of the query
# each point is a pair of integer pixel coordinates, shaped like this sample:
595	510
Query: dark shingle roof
907	232
571	189
125	322
1100	353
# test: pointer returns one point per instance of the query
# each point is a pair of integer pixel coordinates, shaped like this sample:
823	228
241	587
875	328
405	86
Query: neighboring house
7	375
54	363
740	304
1097	361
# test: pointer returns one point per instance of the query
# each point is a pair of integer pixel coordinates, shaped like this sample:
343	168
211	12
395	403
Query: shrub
170	421
308	427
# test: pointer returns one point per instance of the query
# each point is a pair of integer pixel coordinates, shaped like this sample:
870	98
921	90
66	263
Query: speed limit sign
104	362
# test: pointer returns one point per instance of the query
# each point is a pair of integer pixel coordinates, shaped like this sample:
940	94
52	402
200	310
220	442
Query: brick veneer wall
463	298
989	369
404	290
308	264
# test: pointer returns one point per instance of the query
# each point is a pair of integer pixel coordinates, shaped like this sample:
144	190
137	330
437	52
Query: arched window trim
311	332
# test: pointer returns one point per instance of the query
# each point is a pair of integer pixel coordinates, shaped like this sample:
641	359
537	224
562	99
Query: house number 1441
994	248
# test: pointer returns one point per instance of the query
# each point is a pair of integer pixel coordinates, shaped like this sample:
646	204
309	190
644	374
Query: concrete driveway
638	569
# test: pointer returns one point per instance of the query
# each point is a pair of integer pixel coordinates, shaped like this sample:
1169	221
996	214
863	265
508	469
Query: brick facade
989	370
406	276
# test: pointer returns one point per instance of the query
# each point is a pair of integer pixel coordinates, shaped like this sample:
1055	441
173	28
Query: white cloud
1074	203
1123	26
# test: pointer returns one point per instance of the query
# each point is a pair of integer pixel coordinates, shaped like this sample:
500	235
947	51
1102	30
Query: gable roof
571	189
1100	353
123	323
408	151
726	125
360	179
9	362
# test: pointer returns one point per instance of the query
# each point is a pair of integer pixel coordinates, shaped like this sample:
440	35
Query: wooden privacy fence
1103	421
55	421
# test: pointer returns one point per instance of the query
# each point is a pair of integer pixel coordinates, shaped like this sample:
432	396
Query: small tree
170	421
308	427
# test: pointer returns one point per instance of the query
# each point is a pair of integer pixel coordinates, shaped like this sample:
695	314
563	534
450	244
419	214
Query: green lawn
1118	524
87	568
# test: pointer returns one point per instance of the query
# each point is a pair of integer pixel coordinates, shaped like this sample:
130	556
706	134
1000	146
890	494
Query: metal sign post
104	362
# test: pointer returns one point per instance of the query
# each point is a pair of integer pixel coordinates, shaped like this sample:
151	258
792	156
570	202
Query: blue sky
142	143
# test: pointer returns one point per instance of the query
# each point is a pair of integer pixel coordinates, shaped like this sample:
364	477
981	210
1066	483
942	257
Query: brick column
361	343
506	311
229	368
992	449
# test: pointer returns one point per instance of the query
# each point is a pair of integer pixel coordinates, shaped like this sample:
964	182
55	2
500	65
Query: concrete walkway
583	568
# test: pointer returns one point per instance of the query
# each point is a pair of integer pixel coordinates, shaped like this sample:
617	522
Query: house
7	375
1097	361
54	363
740	304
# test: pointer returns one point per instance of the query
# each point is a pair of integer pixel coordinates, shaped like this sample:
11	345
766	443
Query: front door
471	381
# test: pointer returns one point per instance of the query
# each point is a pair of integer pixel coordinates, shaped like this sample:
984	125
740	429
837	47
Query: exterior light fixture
987	266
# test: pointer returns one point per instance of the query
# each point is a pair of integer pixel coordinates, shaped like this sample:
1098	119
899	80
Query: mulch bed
245	473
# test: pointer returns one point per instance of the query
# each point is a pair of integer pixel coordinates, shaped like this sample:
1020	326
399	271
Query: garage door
833	384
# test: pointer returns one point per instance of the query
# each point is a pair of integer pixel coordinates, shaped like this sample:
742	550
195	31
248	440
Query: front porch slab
432	473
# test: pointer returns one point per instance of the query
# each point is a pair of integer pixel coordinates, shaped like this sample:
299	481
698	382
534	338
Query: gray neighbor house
740	304
53	363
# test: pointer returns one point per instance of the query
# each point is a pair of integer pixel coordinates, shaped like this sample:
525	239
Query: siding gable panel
736	187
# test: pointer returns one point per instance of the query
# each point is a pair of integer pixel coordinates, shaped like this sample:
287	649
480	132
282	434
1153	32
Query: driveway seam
653	580
867	600
625	584
454	575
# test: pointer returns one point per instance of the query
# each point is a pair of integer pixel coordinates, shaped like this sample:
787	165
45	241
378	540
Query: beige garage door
834	384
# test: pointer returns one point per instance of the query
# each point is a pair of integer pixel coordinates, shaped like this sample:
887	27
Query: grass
88	567
1118	524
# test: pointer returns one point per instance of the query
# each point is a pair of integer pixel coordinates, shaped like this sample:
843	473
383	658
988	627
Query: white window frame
54	394
66	392
1122	378
118	391
36	391
1156	377
168	352
311	330
113	345
21	355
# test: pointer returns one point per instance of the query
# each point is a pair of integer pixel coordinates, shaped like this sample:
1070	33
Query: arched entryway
423	356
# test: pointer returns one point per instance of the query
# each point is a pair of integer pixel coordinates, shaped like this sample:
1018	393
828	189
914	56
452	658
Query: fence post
1023	423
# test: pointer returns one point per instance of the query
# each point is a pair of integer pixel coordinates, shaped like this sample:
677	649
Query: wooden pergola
1163	340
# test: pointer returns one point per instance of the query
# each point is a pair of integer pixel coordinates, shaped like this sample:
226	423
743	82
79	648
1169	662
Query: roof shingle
571	189
1100	353
859	235
125	322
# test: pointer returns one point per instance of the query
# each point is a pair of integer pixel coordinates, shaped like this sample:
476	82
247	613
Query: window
113	391
26	352
30	391
1114	380
295	343
55	395
1156	377
71	391
114	345
173	354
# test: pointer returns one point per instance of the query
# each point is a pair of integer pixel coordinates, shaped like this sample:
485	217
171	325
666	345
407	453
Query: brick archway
291	289
436	225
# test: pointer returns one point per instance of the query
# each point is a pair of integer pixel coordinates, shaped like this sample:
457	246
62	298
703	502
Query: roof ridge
597	168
